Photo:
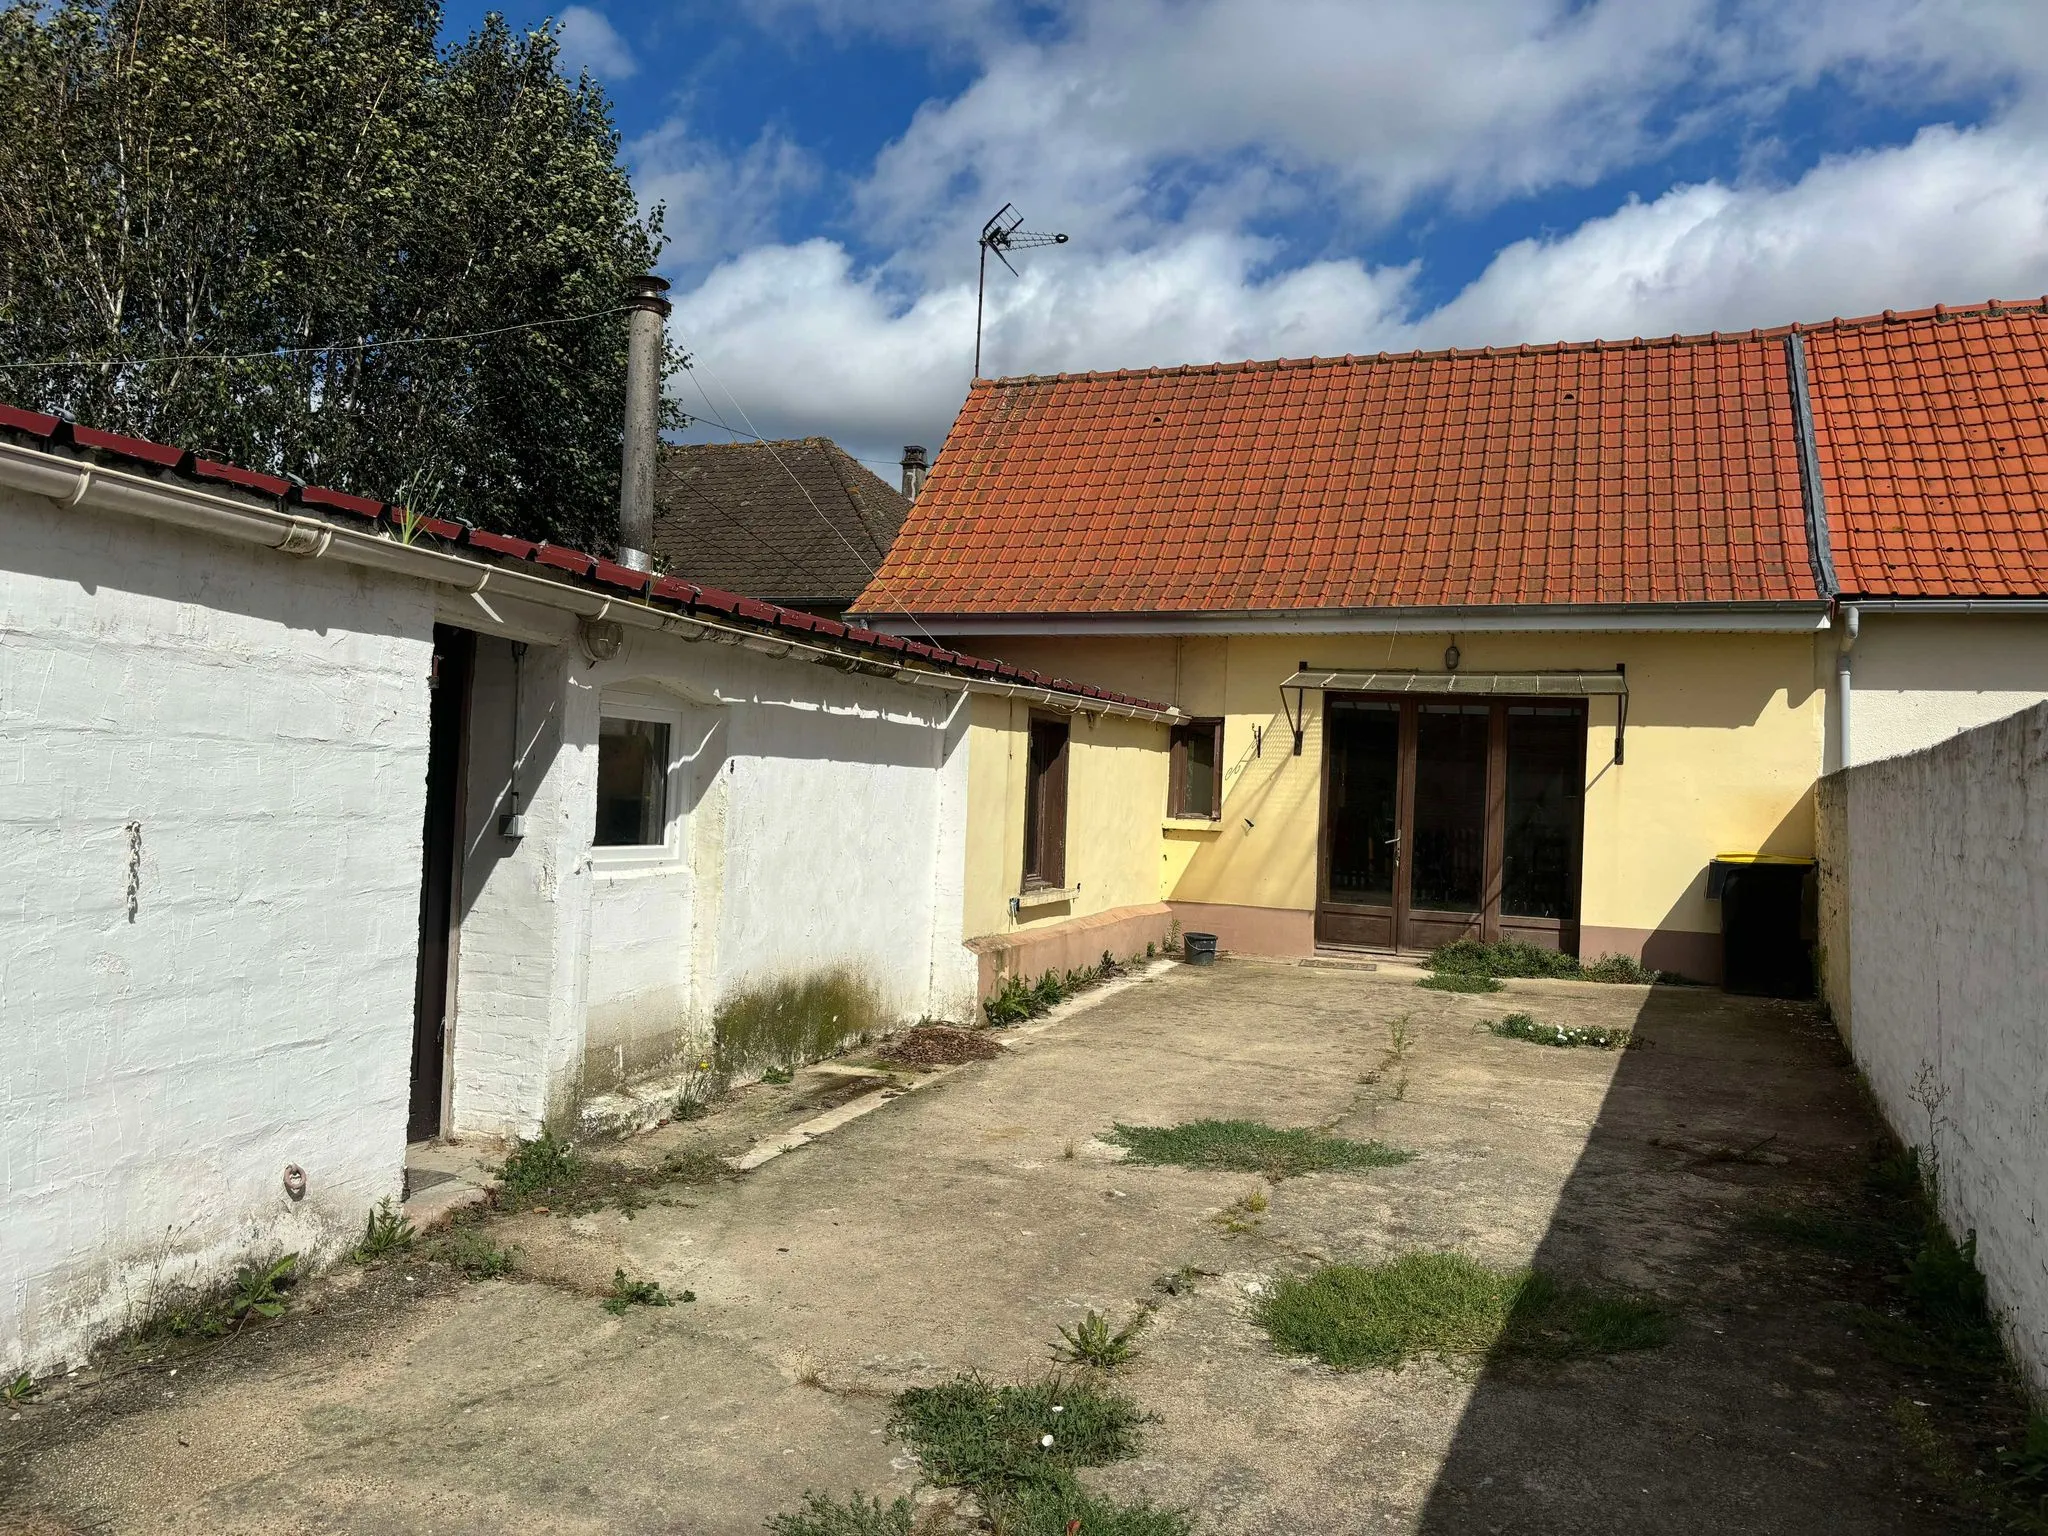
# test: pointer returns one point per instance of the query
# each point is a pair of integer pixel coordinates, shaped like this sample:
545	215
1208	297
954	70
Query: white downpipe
1845	687
75	485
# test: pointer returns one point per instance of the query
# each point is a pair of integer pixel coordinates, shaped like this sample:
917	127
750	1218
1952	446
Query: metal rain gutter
1587	618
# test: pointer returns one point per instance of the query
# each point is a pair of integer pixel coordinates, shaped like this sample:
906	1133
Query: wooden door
1363	791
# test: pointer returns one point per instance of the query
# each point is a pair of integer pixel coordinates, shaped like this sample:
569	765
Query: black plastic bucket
1199	948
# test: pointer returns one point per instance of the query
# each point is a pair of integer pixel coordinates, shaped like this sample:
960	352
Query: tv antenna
1001	235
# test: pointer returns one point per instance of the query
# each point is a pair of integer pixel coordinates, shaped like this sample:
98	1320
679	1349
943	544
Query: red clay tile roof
53	434
1660	472
1933	438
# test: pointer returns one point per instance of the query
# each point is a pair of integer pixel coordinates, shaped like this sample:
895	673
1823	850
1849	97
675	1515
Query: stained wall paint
209	880
1934	941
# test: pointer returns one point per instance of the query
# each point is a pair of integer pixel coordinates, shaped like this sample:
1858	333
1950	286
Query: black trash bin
1199	948
1766	931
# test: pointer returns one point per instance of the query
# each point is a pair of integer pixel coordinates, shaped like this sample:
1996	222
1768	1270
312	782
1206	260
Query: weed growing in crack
1521	1026
385	1233
636	1293
470	1251
1182	1281
778	1077
1090	1343
538	1167
20	1390
1246	1146
1444	1304
1242	1214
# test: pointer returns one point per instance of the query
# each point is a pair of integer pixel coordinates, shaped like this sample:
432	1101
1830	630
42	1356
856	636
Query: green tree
201	179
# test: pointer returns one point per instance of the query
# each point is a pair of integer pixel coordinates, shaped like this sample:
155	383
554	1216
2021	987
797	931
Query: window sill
1192	824
613	861
1046	896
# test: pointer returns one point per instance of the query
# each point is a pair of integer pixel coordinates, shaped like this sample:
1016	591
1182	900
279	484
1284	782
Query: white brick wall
257	725
1935	929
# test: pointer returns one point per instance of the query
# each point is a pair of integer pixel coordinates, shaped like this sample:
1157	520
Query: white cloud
718	203
1953	217
589	42
1161	133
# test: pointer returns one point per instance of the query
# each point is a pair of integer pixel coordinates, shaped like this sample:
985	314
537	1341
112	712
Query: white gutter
1845	688
1727	618
1981	606
73	483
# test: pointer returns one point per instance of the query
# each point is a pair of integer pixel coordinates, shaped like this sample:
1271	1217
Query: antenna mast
1001	235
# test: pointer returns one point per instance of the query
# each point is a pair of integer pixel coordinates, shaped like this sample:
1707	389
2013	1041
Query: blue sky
1260	178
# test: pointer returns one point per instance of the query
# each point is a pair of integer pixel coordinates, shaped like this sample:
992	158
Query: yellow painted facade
1724	744
1114	765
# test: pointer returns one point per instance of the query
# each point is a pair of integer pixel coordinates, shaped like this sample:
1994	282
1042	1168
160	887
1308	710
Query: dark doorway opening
1448	819
441	876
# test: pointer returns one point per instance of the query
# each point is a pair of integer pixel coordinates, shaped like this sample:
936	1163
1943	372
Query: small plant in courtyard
1015	1449
1521	1026
1014	1000
1048	991
1516	957
778	1077
1242	1214
385	1232
823	1516
20	1390
1458	981
1246	1146
635	1293
1090	1342
535	1167
259	1289
474	1254
1444	1304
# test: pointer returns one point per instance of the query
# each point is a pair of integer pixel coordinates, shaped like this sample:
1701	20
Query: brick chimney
648	309
914	468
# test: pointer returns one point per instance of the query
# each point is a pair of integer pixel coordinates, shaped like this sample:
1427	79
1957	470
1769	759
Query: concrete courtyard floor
957	1227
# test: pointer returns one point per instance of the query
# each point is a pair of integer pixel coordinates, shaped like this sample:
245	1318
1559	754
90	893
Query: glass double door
1446	819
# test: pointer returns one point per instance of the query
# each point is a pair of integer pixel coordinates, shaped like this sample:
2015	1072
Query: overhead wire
340	346
690	366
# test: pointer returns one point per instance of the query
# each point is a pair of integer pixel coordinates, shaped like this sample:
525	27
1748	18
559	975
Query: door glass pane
632	783
1544	750
1365	760
1450	806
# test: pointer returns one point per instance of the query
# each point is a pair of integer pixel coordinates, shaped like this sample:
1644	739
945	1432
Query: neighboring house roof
1641	473
299	509
1932	430
801	520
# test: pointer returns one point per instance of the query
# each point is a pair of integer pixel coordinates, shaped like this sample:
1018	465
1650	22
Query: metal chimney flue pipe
647	312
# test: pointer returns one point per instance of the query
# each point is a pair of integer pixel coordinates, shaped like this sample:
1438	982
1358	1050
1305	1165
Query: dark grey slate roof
795	521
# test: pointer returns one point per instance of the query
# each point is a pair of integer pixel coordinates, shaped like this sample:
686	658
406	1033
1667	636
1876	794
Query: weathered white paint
237	739
1918	679
1934	934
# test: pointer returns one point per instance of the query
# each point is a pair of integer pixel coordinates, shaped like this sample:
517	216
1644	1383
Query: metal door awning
1526	685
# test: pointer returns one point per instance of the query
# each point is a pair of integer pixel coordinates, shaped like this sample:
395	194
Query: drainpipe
647	310
1852	624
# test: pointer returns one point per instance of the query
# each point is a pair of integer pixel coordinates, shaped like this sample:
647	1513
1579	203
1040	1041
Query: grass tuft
635	1293
1520	1026
1444	1304
1246	1146
1458	981
823	1516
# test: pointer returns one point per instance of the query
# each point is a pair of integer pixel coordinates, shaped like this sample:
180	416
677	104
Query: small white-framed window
637	792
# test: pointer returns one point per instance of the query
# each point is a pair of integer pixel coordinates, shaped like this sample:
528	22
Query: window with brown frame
1195	789
1045	805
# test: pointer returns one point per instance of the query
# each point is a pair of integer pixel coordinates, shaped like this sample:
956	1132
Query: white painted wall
1919	679
1934	926
239	739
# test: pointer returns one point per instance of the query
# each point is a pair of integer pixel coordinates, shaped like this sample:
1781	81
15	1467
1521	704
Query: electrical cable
343	346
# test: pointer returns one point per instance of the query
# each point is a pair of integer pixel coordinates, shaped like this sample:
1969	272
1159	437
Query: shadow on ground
1766	1411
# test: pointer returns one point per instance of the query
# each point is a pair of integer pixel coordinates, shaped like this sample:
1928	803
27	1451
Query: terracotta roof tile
1932	430
1661	472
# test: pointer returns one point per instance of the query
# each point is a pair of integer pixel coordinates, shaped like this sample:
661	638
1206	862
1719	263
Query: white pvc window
637	799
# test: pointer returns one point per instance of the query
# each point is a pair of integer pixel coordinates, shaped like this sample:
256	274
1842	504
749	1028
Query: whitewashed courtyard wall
1934	933
213	768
